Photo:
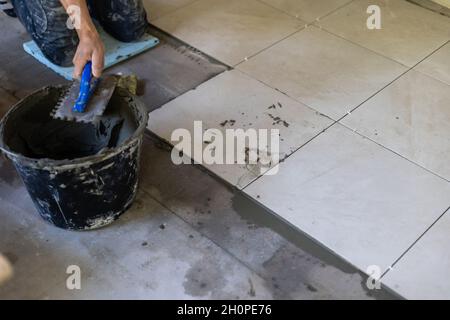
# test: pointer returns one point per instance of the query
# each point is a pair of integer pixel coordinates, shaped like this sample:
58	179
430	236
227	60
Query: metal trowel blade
95	107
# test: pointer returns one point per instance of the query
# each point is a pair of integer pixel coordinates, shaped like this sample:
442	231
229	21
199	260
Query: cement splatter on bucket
80	176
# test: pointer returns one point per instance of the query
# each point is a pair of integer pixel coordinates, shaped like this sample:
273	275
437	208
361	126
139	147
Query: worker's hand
90	48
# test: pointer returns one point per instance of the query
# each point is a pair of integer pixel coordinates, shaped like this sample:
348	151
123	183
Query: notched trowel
86	100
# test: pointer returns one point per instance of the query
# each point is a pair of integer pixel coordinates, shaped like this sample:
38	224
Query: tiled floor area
248	103
187	235
365	170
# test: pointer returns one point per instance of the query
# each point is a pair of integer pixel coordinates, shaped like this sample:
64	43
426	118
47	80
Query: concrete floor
188	235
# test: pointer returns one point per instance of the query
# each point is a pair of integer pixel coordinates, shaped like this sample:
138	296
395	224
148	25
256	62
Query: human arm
90	47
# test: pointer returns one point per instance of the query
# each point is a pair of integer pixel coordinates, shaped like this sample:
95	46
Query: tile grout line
242	263
319	26
288	156
429	75
361	46
285	94
307	24
432	77
414	242
394	152
431	53
270	46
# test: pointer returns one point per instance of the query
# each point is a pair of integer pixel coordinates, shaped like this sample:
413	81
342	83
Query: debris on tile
278	120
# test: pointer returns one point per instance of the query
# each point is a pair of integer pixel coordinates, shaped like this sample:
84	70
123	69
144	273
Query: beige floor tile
412	118
423	272
229	30
328	73
233	100
158	8
408	32
307	10
437	65
361	201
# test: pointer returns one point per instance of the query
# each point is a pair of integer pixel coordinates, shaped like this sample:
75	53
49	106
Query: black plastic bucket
79	176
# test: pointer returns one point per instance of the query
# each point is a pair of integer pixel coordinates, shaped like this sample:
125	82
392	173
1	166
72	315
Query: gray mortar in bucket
80	176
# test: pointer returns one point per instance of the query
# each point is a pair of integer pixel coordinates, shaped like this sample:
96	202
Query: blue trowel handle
86	88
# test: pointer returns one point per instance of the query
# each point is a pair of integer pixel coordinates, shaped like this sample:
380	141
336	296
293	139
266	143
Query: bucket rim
104	154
